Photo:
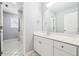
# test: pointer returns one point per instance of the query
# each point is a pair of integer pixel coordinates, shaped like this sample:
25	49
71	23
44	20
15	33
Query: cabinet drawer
43	40
37	38
66	47
47	41
58	52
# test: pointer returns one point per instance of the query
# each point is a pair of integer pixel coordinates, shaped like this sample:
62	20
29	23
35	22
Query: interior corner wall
32	19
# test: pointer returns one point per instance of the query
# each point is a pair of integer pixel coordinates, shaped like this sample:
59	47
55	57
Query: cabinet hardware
62	46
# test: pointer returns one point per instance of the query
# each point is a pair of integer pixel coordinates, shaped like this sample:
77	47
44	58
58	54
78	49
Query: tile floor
32	53
13	47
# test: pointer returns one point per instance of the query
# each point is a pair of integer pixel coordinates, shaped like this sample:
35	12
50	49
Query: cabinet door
43	46
37	44
47	47
46	50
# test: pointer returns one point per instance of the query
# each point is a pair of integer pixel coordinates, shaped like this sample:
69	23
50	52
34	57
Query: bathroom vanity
56	44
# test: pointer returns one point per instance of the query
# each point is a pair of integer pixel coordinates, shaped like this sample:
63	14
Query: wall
60	18
32	19
9	32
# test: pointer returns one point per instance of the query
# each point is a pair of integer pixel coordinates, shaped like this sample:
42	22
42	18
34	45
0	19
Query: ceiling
59	6
56	7
12	7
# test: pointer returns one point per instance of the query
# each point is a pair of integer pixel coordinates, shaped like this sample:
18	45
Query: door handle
62	46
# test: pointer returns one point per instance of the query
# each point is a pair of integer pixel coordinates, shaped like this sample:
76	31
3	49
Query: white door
70	22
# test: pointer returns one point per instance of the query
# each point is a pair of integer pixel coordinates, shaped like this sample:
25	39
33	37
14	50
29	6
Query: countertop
66	38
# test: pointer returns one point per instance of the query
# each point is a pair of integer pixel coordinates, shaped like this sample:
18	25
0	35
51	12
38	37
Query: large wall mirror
61	17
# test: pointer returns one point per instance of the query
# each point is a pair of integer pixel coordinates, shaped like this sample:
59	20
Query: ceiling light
13	2
50	4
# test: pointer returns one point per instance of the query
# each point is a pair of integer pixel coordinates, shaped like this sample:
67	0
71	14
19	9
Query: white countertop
67	38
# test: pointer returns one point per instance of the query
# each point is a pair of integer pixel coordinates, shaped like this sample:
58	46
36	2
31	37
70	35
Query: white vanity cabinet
43	46
63	49
54	46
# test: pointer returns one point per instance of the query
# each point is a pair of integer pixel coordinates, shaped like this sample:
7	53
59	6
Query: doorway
12	45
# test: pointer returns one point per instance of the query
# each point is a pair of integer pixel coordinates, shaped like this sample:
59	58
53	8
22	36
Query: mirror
61	17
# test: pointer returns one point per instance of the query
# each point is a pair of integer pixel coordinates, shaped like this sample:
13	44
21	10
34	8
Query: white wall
32	22
60	18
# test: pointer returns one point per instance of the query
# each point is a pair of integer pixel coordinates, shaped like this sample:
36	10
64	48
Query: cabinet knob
62	46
